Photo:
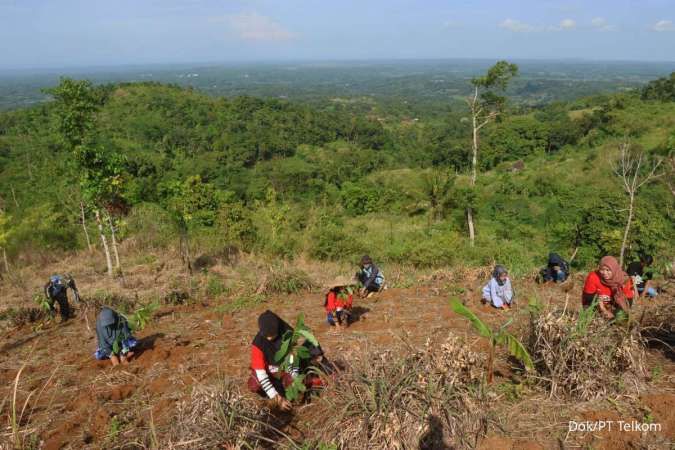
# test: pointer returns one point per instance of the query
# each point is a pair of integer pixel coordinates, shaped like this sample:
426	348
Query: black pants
64	308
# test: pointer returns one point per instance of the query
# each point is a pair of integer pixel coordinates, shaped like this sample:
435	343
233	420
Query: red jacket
594	286
333	301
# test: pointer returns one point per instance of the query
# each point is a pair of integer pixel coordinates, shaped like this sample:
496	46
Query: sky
79	33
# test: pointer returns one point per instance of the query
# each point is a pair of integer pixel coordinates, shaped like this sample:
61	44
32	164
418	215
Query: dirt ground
70	400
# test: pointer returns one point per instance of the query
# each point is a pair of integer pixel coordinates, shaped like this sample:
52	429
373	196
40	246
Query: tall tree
485	105
99	166
192	202
634	170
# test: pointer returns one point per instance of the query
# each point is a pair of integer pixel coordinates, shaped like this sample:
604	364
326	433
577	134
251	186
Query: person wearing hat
56	290
115	341
338	302
370	276
266	376
498	291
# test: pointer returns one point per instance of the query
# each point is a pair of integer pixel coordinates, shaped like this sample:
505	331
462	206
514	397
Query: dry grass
221	417
584	362
657	327
409	398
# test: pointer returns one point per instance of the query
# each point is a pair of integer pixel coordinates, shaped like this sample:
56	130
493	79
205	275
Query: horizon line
214	63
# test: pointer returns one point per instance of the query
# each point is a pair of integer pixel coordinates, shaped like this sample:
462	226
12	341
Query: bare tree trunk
14	196
188	262
627	229
469	219
114	242
4	259
105	244
474	169
84	226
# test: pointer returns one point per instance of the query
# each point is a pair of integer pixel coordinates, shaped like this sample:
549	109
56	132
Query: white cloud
517	26
664	25
599	23
251	26
564	25
567	24
521	27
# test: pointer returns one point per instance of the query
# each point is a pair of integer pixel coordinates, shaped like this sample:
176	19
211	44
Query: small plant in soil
496	337
293	354
43	304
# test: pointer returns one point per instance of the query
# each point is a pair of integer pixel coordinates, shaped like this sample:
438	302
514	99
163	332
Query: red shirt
333	301
258	361
593	286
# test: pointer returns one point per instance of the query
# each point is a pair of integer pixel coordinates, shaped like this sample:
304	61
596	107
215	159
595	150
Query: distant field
427	86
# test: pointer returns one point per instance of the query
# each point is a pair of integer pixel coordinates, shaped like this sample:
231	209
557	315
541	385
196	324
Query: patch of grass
113	300
511	391
215	287
285	280
19	317
240	303
176	297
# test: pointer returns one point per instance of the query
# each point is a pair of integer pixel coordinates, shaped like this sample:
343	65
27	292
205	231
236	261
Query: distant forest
334	177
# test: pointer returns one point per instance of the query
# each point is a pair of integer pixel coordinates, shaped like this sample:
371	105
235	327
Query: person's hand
281	403
362	292
115	360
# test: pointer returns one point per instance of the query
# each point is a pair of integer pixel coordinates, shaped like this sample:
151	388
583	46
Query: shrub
112	300
285	280
584	357
221	416
412	398
19	317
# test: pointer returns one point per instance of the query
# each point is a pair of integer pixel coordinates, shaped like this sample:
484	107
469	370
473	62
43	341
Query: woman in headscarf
612	287
498	291
114	337
267	378
557	269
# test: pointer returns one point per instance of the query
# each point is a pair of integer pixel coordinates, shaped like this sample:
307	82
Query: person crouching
338	302
115	341
267	379
498	291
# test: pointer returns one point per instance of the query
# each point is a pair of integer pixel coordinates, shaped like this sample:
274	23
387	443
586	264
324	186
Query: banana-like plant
292	354
496	337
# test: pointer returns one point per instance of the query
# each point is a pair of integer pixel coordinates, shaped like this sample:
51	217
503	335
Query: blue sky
66	33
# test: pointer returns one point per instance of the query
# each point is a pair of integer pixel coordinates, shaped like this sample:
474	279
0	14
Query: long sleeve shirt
334	302
496	294
263	369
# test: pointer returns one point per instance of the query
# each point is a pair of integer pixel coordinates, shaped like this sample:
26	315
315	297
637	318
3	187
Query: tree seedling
496	337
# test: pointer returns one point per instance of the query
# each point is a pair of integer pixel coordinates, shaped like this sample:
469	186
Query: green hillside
288	179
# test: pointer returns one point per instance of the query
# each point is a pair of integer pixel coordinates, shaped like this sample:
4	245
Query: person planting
338	302
612	287
642	280
557	269
115	341
370	276
56	290
271	353
498	291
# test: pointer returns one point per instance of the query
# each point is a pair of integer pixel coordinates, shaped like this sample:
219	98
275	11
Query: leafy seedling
292	354
496	337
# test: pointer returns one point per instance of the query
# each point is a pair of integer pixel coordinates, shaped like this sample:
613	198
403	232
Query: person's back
114	337
556	270
56	290
636	270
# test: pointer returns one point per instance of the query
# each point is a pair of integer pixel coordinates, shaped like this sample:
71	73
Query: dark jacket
369	276
111	327
555	259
